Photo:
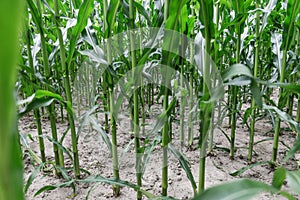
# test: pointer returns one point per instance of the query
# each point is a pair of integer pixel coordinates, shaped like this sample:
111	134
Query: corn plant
37	114
287	39
205	105
136	122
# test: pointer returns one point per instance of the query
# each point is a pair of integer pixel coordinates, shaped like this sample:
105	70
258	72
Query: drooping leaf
243	189
293	179
236	70
185	165
247	115
44	93
59	145
148	152
42	98
101	131
53	187
94	55
32	177
163	117
243	169
278	178
112	181
295	148
84	119
65	175
35	103
214	83
287	118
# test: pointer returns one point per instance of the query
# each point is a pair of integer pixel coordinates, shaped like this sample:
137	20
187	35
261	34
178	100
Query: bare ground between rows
95	157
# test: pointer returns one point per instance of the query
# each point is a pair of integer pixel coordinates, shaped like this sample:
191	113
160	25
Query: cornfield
140	99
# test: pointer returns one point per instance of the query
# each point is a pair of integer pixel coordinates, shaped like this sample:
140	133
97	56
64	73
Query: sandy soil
95	157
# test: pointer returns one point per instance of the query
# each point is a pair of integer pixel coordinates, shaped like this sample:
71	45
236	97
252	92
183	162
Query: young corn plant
37	13
238	7
171	23
206	107
110	20
255	73
37	115
287	39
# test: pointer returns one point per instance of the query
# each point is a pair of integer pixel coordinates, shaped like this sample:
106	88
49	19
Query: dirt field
95	157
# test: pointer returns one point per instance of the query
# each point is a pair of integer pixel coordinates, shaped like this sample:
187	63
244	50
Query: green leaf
65	175
11	166
32	177
163	117
289	23
59	145
283	116
185	165
35	103
292	87
45	188
287	118
53	187
92	188
293	179
175	11
238	6
256	94
247	115
207	16
171	36
238	18
163	198
148	152
42	98
236	70
85	10
112	181
142	11
44	93
35	16
276	40
111	16
101	131
243	189
184	19
278	178
243	169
